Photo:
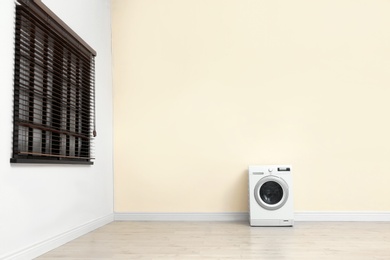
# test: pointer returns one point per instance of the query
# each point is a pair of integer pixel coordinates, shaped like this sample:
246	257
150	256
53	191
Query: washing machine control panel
279	169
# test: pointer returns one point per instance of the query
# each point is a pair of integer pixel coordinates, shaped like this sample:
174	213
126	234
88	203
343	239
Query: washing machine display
270	195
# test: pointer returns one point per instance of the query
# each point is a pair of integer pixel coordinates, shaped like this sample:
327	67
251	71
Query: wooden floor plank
230	240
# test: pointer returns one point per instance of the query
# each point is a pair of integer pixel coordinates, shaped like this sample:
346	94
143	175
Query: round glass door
271	192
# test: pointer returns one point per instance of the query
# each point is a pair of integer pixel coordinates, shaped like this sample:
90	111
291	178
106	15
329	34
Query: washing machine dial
270	169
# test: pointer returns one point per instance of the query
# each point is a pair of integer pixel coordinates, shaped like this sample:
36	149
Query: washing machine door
271	192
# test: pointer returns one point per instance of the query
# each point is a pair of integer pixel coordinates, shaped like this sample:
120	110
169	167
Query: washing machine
271	195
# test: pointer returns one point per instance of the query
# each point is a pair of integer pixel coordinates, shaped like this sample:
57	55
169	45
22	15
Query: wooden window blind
54	90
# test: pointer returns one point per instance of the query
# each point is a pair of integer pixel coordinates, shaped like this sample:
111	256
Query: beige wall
203	88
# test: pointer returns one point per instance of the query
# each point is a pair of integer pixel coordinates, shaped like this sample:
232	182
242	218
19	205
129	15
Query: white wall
40	202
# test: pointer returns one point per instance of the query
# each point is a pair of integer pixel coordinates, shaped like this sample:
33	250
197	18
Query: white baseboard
56	241
342	216
244	216
153	216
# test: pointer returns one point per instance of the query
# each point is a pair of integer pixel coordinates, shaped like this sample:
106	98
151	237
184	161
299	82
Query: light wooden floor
230	240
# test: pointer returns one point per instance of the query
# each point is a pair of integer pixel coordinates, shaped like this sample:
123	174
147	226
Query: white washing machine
271	195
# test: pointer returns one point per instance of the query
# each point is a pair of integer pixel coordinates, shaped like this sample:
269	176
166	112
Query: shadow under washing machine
271	195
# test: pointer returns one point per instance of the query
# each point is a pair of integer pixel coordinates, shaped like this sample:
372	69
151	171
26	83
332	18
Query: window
54	90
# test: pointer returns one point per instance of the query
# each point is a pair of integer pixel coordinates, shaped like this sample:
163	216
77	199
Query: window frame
54	90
